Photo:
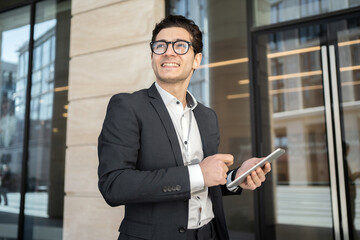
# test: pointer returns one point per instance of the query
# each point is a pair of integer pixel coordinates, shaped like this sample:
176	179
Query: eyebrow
178	39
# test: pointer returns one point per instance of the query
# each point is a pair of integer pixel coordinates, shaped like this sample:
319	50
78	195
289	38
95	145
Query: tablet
272	156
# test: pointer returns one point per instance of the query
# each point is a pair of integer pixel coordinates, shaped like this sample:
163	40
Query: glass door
14	36
344	50
309	90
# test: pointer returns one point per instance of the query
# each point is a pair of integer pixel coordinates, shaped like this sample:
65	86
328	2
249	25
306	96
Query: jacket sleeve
120	180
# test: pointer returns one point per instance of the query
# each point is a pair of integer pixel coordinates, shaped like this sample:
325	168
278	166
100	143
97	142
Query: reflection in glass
270	12
349	61
13	68
45	175
222	83
301	185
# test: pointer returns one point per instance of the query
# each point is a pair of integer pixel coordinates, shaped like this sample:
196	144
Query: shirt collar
168	98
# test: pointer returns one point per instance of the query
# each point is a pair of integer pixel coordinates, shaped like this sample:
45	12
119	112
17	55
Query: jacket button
165	189
178	188
182	229
169	188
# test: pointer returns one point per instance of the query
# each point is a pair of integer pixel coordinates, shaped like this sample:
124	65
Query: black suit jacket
141	166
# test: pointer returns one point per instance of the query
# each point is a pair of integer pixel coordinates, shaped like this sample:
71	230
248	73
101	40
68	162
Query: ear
197	61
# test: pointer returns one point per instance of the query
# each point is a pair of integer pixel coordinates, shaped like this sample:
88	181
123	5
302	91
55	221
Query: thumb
228	159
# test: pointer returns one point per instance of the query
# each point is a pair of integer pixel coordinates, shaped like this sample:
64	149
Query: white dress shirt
200	205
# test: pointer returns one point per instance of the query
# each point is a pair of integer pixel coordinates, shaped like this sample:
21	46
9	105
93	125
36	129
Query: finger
225	176
228	159
255	178
261	175
224	167
267	168
248	183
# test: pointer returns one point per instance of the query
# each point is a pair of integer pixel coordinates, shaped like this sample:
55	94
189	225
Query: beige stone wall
110	53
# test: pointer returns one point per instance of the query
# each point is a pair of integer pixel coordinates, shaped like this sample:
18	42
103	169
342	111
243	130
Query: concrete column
110	53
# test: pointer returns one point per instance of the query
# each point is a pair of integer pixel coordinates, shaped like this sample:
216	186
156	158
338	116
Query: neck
178	90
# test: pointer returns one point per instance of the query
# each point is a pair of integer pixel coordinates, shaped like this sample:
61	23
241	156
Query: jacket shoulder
206	110
143	93
129	99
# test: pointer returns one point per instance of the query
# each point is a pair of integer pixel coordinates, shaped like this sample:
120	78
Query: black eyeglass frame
172	43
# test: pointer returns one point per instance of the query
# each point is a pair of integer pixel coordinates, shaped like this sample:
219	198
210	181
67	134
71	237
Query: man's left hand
257	177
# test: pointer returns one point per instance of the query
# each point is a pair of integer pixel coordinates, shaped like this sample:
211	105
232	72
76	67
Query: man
158	149
4	181
7	124
7	131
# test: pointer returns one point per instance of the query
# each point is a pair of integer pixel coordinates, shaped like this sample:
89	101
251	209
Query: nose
170	50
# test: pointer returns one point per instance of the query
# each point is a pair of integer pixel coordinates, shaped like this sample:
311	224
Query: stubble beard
170	80
173	80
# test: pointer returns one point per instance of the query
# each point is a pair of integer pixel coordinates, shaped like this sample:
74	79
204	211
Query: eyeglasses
180	47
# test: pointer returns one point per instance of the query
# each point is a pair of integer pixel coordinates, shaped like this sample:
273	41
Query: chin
170	80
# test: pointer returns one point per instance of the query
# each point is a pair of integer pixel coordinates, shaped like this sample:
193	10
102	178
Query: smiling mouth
171	64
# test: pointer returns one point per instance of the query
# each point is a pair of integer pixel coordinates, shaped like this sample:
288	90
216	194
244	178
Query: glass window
348	45
14	35
275	11
44	195
52	50
46	52
296	83
296	122
222	83
37	57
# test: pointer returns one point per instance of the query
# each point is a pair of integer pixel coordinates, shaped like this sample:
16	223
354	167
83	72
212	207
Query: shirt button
198	197
177	102
185	142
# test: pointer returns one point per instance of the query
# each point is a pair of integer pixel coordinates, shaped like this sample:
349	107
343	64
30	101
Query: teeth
170	64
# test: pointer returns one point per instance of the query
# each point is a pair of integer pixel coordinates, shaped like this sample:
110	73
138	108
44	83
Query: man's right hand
214	169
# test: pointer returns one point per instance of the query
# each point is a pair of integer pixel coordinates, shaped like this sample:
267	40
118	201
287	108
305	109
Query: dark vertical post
264	212
25	157
255	135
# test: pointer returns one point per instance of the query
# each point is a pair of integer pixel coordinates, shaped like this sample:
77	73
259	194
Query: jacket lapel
201	122
161	110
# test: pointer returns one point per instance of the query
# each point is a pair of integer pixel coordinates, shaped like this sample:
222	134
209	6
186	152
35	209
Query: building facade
279	73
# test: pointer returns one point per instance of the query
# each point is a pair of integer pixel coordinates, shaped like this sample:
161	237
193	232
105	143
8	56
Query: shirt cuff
229	180
196	178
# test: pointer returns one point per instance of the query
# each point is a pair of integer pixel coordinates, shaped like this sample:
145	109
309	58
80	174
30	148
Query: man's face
171	67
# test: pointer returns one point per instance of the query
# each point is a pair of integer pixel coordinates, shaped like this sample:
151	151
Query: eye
181	45
159	45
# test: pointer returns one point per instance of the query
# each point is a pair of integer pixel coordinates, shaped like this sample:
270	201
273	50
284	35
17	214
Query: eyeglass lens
179	47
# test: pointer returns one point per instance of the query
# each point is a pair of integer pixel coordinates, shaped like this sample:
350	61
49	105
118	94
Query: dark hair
183	22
